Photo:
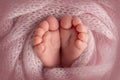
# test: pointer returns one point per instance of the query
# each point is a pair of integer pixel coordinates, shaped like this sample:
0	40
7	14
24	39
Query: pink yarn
19	19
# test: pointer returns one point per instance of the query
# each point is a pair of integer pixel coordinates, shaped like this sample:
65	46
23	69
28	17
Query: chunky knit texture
19	19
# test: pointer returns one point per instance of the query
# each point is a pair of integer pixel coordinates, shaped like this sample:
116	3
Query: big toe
66	22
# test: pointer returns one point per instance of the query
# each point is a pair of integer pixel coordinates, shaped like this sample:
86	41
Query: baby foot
46	42
74	39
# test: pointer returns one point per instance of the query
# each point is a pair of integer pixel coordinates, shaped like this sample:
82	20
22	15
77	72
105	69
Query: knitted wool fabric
19	19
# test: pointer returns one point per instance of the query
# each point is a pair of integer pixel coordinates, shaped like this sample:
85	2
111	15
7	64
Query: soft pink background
7	7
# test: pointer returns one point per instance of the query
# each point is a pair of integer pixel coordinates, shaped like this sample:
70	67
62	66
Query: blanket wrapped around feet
20	18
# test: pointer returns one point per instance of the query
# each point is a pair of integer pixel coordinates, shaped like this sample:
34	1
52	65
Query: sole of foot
74	38
46	42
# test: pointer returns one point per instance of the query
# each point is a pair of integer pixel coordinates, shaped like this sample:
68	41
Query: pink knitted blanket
18	20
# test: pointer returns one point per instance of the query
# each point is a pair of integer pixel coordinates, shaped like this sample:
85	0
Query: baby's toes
39	33
82	36
82	33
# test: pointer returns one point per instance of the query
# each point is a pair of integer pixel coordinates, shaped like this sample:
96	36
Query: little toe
81	45
66	22
39	49
36	40
83	37
53	23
